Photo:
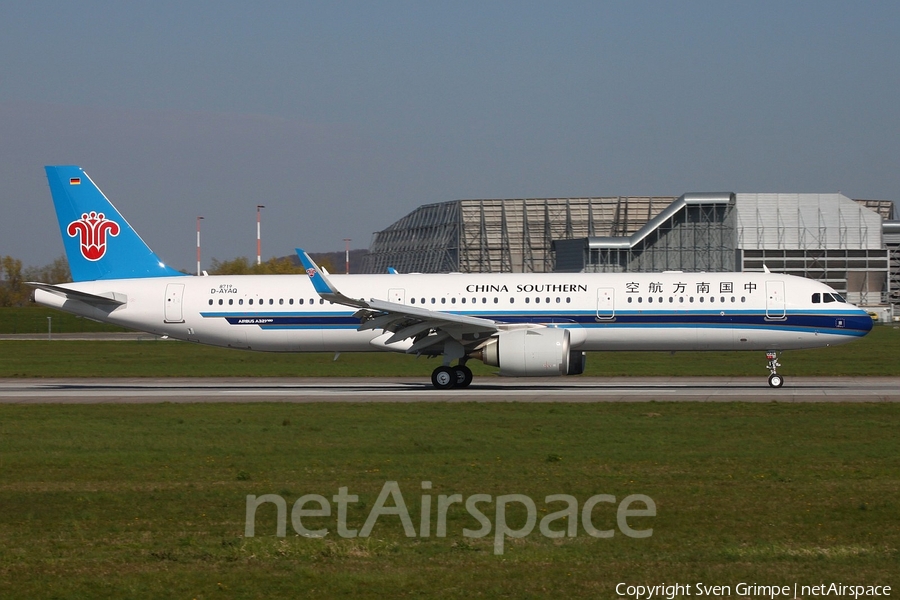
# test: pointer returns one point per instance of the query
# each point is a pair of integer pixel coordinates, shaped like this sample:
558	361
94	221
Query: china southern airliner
525	324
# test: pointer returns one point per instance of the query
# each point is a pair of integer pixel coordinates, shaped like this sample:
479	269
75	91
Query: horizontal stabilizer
107	299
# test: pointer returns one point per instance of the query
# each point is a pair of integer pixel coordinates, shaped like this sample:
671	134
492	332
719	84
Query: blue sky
341	117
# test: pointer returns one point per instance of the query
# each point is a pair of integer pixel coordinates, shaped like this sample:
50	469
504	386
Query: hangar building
848	244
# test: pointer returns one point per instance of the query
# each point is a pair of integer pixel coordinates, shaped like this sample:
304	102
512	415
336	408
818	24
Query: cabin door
606	304
775	304
174	294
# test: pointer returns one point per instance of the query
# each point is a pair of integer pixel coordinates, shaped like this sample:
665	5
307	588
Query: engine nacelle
542	352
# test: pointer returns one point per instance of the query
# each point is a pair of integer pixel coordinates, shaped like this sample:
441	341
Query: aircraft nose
863	321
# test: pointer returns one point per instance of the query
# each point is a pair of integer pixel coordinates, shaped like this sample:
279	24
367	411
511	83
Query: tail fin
99	242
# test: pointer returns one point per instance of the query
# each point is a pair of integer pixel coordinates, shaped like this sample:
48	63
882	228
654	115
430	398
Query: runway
485	389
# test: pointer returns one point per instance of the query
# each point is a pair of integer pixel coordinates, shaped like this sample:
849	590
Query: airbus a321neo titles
525	324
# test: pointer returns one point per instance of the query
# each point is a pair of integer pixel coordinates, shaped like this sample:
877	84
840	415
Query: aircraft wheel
443	378
775	380
463	376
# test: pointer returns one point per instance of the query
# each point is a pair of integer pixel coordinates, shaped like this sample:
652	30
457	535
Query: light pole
259	207
198	245
347	255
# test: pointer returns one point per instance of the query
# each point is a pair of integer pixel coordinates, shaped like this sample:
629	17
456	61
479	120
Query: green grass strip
148	501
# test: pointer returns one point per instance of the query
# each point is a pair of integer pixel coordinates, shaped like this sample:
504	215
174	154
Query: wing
429	329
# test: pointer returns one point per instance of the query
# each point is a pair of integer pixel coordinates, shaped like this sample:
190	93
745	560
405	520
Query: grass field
33	319
876	354
149	501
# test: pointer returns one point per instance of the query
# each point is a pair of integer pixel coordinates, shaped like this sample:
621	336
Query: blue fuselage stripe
843	322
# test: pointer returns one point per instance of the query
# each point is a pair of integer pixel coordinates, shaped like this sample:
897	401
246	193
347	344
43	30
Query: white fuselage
628	311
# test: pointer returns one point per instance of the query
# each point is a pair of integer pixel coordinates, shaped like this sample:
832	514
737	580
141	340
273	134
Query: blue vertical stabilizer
99	242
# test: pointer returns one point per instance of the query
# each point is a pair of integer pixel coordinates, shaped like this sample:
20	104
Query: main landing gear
775	380
447	377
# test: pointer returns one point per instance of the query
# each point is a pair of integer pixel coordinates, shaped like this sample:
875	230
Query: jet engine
541	352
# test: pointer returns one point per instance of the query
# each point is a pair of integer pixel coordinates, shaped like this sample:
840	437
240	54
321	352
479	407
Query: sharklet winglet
322	285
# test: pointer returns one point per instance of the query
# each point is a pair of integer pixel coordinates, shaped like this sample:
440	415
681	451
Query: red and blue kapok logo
92	229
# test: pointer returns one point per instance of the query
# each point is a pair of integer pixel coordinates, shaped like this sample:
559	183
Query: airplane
525	324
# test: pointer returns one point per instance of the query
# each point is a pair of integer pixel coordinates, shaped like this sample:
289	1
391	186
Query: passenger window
281	301
527	299
463	300
291	301
241	301
701	298
220	302
443	301
412	300
484	300
230	301
650	299
300	301
496	300
512	300
640	299
271	301
743	298
629	299
452	300
210	301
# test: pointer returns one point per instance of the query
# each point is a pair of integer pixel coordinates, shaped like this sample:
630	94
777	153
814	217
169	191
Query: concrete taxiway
485	389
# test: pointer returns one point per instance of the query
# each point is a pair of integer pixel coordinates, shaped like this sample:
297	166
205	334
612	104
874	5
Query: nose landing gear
775	380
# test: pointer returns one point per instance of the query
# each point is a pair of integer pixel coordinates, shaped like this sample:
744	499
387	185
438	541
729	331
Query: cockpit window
828	297
839	298
816	298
